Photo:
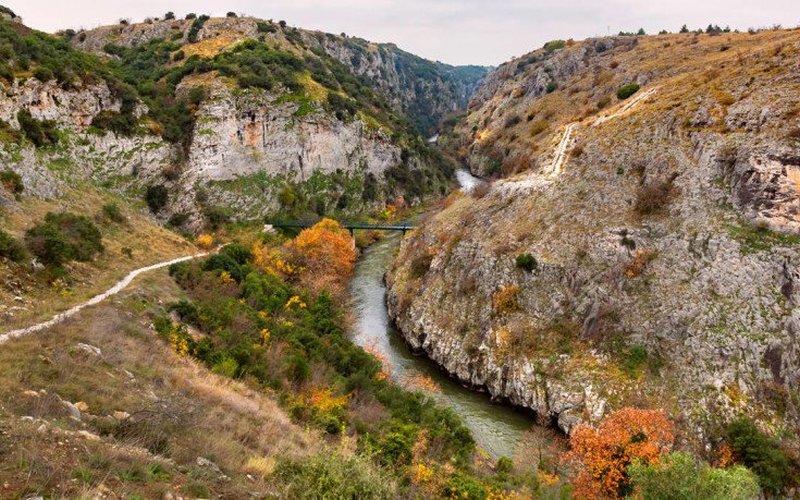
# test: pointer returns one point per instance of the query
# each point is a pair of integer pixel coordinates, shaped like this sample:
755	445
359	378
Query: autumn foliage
600	456
326	256
321	257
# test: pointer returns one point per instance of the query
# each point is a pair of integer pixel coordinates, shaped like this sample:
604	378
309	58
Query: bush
11	181
39	132
64	237
231	14
266	27
10	248
654	196
627	90
554	45
330	475
759	453
538	127
512	121
526	262
43	74
506	300
197	25
156	197
679	475
112	212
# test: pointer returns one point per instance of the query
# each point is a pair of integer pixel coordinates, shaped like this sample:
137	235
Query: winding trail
536	182
124	282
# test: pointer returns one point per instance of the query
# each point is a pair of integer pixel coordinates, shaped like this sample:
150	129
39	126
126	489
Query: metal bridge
350	226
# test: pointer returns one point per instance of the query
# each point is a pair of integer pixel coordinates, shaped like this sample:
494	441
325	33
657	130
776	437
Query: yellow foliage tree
205	241
325	255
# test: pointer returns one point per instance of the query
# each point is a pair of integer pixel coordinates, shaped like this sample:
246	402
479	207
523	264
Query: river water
496	428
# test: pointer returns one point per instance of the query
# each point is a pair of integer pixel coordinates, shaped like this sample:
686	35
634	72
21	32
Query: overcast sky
453	31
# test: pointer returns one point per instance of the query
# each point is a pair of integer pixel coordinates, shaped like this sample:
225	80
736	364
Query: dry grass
147	241
210	47
179	411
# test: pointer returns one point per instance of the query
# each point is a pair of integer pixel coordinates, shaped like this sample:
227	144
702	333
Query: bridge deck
348	225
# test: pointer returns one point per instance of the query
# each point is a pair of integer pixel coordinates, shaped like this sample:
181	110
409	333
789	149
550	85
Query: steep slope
652	265
212	119
422	90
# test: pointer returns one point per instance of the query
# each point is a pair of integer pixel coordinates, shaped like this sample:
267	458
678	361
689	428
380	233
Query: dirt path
627	107
561	150
58	318
536	182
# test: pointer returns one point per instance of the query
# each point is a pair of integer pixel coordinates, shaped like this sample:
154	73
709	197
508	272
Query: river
496	428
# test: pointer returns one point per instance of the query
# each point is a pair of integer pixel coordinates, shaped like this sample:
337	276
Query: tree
679	475
63	237
231	14
325	255
169	16
156	197
684	29
641	32
601	456
760	453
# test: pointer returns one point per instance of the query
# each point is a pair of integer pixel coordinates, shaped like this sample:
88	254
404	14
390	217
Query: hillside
423	91
217	119
653	264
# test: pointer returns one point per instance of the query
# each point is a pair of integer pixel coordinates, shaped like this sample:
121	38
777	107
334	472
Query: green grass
755	239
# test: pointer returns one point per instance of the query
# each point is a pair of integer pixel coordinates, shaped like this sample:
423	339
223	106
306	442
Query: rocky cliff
235	117
654	264
425	91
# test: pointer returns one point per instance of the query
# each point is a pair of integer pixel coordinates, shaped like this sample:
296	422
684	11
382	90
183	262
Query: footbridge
350	226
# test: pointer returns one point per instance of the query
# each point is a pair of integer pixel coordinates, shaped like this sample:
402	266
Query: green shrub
156	197
634	359
627	90
679	475
39	132
266	27
526	262
64	237
461	485
759	453
554	45
197	25
217	216
331	475
114	121
112	212
10	248
43	74
11	181
504	466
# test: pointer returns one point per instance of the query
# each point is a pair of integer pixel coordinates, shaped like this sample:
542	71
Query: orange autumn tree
324	256
599	457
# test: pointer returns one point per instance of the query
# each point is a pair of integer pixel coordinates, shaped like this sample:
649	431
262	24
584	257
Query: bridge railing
351	226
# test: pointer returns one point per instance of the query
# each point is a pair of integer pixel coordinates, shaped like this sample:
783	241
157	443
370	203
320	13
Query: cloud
454	31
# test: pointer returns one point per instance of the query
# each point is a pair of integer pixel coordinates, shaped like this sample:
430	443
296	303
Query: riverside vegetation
233	375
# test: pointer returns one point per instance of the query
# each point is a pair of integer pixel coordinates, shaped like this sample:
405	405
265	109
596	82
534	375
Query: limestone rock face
48	101
666	249
255	132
